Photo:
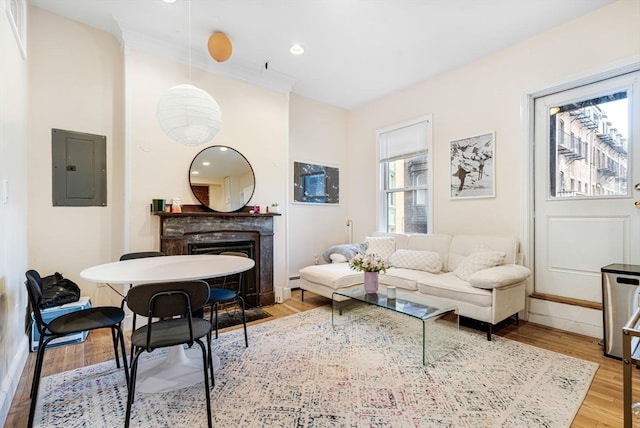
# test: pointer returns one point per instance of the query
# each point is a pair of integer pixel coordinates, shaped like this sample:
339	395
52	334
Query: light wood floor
601	408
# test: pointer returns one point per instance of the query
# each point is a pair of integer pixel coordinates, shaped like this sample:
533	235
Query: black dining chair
132	256
141	255
74	322
230	291
168	307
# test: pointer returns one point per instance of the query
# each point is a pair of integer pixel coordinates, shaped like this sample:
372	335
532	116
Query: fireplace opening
248	286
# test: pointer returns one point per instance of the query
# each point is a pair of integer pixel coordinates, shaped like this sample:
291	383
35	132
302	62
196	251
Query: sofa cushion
429	261
499	276
338	258
334	275
401	239
449	286
431	242
463	245
384	246
478	261
403	278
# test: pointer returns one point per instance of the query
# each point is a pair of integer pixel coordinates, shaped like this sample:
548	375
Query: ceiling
355	50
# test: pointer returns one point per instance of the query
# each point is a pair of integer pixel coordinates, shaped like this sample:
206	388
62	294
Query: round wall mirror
222	179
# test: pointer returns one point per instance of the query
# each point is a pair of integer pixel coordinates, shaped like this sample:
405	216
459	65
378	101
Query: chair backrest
234	253
141	255
238	284
168	299
34	290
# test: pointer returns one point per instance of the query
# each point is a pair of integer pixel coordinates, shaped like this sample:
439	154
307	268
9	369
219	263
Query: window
405	174
598	126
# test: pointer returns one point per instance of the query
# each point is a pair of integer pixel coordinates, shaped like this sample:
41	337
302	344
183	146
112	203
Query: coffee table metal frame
416	310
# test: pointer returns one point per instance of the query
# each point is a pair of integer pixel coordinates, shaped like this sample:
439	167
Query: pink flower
369	262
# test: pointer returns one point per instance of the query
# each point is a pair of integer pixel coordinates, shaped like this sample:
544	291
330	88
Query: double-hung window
404	154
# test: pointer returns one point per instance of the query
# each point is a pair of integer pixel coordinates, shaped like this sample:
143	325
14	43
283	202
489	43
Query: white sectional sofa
481	275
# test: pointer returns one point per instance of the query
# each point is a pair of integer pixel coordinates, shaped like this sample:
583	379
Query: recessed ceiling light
195	172
205	163
169	1
296	49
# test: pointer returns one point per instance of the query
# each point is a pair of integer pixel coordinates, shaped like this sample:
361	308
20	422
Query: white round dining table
181	367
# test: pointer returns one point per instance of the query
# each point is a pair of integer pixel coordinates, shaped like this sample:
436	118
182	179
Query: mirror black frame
232	157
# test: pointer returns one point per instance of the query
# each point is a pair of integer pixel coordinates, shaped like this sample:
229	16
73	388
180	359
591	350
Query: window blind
405	140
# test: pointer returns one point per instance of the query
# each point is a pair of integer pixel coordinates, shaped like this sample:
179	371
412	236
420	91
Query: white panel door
587	178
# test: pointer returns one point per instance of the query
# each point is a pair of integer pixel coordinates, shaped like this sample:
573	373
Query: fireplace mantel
179	231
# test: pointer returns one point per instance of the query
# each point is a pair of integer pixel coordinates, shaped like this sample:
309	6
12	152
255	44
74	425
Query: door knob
637	186
637	204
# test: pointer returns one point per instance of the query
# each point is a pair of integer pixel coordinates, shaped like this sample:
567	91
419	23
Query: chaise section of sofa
480	275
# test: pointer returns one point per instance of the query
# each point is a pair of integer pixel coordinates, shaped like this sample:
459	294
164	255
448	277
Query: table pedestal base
181	368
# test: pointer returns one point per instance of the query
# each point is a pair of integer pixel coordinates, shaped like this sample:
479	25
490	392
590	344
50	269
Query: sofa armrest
499	276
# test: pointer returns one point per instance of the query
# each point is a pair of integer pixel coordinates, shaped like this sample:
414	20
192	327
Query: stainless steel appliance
620	288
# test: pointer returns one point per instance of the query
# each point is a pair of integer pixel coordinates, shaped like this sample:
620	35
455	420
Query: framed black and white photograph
17	14
473	167
315	184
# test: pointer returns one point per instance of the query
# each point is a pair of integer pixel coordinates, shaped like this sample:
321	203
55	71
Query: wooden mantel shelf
200	211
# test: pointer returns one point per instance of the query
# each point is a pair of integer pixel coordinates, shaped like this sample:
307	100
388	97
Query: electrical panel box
79	168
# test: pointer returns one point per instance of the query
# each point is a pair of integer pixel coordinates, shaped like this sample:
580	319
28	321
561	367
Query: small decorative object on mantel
176	205
157	205
371	264
274	208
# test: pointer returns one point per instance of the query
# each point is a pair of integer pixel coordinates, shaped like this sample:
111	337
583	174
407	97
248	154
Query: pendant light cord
189	41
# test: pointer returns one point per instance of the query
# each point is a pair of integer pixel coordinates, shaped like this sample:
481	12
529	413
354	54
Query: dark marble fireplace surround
196	231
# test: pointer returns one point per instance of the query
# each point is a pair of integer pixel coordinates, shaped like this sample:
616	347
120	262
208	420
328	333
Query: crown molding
255	74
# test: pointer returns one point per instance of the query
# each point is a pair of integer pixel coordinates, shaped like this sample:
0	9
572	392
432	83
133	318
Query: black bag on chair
57	290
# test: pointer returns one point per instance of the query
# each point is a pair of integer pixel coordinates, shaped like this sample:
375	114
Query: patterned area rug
299	371
232	316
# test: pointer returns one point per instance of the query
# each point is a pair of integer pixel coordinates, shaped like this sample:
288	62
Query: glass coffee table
423	312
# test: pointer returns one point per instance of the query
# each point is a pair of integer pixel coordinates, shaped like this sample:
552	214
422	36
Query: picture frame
472	167
315	183
17	17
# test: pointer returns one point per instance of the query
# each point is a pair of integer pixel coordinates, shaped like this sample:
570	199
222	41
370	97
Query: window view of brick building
591	148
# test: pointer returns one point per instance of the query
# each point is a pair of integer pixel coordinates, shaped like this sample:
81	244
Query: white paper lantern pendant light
189	115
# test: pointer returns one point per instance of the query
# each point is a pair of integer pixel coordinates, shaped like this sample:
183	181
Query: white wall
13	212
75	79
254	122
484	96
80	79
318	134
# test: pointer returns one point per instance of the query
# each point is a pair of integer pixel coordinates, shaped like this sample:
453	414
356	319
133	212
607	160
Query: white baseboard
575	319
282	294
9	384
